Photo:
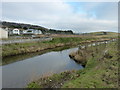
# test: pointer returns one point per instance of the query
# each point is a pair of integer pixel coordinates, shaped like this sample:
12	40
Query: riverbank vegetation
8	60
36	46
16	49
101	71
20	48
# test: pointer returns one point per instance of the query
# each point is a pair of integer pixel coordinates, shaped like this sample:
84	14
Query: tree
25	28
105	33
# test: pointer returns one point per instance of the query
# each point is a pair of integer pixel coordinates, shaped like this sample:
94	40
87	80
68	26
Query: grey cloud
61	16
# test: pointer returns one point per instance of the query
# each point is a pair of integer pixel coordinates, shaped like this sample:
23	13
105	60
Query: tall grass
17	48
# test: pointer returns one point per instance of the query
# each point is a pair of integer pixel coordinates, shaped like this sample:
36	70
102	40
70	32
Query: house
39	32
32	31
3	33
14	32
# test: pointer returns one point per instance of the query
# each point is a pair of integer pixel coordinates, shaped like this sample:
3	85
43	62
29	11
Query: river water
18	74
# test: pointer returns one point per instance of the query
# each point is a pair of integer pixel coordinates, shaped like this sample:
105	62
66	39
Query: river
20	73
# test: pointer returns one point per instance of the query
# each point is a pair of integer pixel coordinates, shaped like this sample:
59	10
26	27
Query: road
2	42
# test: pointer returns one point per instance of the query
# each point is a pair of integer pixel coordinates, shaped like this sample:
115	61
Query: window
29	31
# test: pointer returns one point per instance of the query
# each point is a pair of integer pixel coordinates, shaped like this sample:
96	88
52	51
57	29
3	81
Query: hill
44	30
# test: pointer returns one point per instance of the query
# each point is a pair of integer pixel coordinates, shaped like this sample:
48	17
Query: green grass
101	71
20	48
33	85
32	47
8	60
53	81
65	40
98	74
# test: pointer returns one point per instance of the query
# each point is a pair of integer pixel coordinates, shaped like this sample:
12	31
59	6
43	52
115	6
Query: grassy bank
101	71
21	48
29	47
8	60
18	49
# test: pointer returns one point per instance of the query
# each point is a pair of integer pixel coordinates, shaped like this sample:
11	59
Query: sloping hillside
27	26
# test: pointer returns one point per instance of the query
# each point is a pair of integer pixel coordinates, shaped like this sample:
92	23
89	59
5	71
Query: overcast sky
76	16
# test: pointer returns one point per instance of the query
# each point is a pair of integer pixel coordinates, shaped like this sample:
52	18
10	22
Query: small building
39	32
3	33
14	32
32	31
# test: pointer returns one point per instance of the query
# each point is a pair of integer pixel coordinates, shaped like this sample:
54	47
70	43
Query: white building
3	33
14	32
32	31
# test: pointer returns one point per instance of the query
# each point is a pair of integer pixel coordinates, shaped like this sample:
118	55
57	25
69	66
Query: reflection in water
18	74
8	60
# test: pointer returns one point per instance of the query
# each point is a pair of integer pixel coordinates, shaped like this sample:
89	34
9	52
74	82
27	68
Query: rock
72	54
79	57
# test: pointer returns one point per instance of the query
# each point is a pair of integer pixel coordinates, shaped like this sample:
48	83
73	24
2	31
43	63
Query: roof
15	29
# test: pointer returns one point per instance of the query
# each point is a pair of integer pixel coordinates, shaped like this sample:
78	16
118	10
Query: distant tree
29	26
105	33
25	28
